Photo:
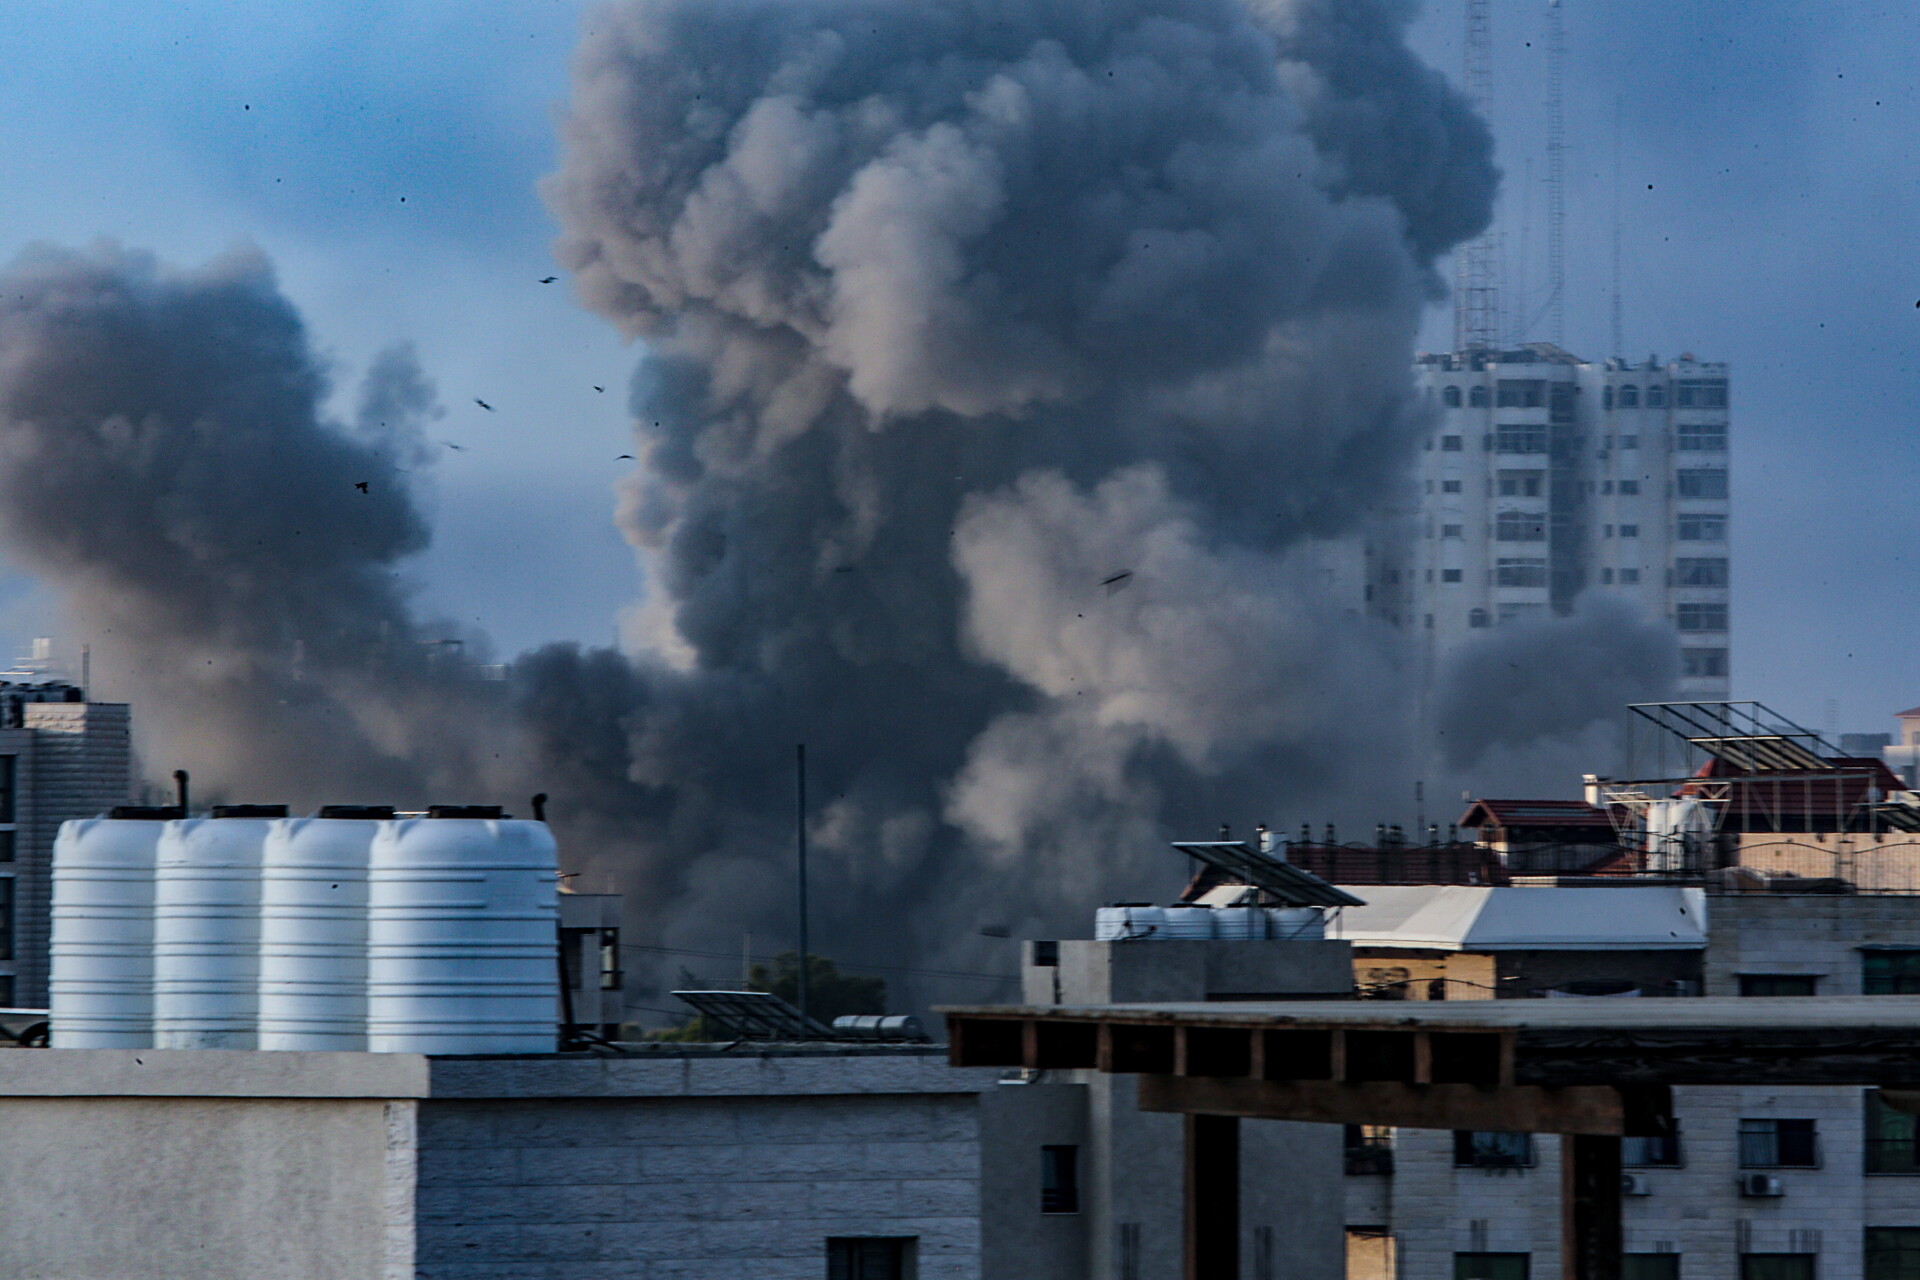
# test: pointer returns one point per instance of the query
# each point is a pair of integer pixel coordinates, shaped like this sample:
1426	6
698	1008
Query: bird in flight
599	388
361	485
1117	581
549	279
627	456
483	404
457	448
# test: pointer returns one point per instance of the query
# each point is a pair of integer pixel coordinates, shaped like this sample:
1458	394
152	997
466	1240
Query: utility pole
1476	302
1619	343
800	763
1556	175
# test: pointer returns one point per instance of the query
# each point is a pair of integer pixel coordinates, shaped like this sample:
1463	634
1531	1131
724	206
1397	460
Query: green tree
830	993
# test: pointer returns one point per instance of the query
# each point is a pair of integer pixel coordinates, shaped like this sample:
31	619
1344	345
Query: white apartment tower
1545	478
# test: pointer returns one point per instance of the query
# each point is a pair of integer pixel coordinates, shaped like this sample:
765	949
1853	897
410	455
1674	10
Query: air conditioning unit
1760	1184
1635	1184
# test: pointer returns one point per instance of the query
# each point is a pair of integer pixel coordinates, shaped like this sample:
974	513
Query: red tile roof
1535	813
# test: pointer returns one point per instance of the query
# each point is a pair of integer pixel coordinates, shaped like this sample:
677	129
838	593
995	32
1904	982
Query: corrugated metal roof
1473	918
1535	813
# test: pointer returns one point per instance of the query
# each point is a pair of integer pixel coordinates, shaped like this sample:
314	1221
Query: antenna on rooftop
1556	175
1619	343
1476	305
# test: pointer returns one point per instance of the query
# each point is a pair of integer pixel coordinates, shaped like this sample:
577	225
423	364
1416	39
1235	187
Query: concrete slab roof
1482	918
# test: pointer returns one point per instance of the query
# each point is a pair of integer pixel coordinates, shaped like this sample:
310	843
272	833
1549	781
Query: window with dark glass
1778	1144
1700	437
1892	1253
1701	482
1702	529
1778	1266
1629	488
1629	575
6	917
1629	396
9	772
1449	486
1451	396
1700	393
1449	575
1477	398
1524	571
1369	1148
869	1257
1520	438
1891	971
1709	663
1520	526
1656	396
1700	617
1661	1152
1700	571
1059	1179
1890	1136
1488	1149
1450	444
1490	1266
1775	984
1649	1266
1522	393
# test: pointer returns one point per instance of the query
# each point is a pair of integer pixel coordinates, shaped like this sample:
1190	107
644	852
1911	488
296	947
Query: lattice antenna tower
1476	297
1556	174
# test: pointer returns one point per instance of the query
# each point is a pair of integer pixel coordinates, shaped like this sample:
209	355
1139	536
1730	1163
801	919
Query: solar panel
1291	885
1763	753
754	1015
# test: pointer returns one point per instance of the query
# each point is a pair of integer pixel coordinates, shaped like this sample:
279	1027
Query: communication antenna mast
1476	303
1556	175
1619	343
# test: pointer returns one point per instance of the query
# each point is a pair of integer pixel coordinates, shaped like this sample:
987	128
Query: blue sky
385	155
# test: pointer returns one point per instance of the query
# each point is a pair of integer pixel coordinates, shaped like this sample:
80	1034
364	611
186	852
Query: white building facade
1545	478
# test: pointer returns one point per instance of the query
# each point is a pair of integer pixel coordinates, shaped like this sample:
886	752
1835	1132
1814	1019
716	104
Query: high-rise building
1546	479
61	757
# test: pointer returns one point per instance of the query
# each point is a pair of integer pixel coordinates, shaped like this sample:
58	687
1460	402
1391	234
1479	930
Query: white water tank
1128	922
206	933
1185	921
102	983
462	945
313	933
1240	924
1296	924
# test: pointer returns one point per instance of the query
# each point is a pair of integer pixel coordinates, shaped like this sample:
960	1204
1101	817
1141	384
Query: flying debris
361	485
627	456
599	388
457	448
1118	581
549	279
483	404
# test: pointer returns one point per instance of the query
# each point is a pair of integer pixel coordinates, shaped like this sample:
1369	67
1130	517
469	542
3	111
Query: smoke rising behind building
951	313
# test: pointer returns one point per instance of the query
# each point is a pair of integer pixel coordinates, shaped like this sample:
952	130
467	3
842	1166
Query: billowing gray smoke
955	312
229	554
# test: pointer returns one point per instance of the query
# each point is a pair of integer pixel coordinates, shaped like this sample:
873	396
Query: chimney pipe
1226	833
1263	838
540	807
180	790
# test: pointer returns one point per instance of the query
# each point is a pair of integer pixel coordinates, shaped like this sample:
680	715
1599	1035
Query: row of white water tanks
1133	922
407	935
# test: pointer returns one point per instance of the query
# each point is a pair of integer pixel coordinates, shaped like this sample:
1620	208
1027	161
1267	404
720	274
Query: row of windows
1892	1253
1700	616
1689	437
1706	571
1531	526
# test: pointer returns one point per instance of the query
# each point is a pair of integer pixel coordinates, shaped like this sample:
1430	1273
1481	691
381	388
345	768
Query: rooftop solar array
754	1015
1292	886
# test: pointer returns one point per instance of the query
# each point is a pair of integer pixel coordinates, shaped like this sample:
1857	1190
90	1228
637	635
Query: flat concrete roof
208	1073
696	1071
1599	1013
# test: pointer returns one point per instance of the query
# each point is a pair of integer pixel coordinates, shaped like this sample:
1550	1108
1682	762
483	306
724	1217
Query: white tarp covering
1473	918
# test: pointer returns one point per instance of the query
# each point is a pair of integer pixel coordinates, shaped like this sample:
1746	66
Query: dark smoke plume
164	462
954	311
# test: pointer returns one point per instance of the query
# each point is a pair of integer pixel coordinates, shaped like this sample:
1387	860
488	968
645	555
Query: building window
1698	393
1893	971
1649	1266
1449	575
1520	526
1662	1152
1779	1144
1530	571
1701	482
1522	438
1370	1255
1629	530
1369	1148
1700	437
1477	618
9	772
1629	576
1489	1149
1477	398
1450	530
1515	612
1777	1266
1702	529
1606	397
1450	396
1520	484
1701	571
1449	486
1777	984
1892	1253
1059	1179
1522	393
1629	442
6	918
870	1257
1449	444
1490	1266
1700	617
1890	1138
1629	397
1656	396
1606	577
1628	488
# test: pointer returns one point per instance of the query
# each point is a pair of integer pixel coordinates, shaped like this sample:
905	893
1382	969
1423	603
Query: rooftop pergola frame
1595	1070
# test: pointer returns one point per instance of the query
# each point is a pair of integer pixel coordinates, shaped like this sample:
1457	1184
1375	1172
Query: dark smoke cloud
954	311
167	466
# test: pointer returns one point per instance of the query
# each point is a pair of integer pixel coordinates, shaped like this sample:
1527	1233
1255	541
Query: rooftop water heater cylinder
206	933
102	984
461	933
313	933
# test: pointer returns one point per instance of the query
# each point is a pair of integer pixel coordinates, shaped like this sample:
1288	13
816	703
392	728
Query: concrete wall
207	1165
1814	934
694	1162
1018	1241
